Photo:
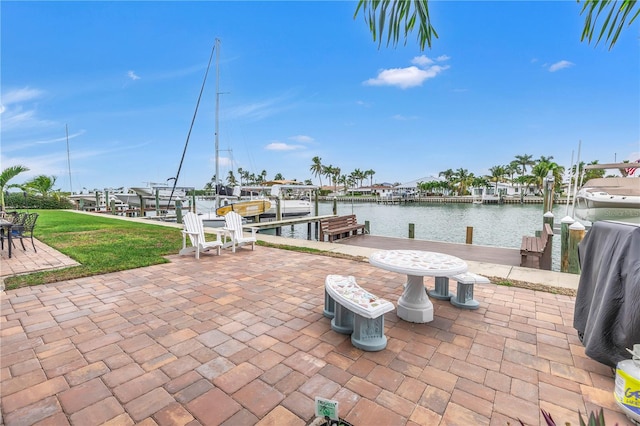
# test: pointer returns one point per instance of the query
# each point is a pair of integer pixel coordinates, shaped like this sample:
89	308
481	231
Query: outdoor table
414	304
6	226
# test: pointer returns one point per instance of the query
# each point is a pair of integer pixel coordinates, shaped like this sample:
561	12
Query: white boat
614	198
609	198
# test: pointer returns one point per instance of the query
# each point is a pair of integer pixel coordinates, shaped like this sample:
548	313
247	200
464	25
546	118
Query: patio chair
23	228
233	225
194	228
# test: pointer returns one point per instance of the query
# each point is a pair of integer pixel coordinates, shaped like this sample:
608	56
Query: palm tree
524	160
401	17
497	174
231	179
370	173
42	185
316	168
6	175
463	178
278	176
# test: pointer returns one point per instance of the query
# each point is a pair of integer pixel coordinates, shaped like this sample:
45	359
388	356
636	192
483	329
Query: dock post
412	230
193	202
566	222
367	227
142	206
469	239
97	201
335	205
548	218
576	234
157	202
548	192
309	231
113	206
106	201
178	211
278	209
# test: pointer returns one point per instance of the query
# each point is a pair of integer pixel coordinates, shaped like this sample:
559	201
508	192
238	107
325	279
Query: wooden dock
278	224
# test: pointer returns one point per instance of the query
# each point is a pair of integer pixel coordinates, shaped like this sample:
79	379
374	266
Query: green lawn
99	244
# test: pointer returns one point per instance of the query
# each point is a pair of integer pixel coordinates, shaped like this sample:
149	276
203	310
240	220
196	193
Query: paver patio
240	339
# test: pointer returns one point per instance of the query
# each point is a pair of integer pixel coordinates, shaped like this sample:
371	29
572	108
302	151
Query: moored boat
609	198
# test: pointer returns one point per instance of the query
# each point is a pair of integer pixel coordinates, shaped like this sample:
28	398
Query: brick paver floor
240	339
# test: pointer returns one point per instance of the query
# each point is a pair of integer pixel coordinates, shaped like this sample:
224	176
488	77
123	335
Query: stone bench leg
368	334
464	297
329	305
441	291
342	321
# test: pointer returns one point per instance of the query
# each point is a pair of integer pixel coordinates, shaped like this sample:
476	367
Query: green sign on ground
327	408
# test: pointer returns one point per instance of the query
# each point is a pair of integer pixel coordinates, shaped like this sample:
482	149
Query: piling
278	210
469	238
335	206
367	227
548	218
547	202
576	234
566	222
97	201
193	202
113	206
412	230
157	202
178	211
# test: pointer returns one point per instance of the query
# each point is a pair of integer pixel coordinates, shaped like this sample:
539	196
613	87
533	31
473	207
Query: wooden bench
535	252
356	311
340	227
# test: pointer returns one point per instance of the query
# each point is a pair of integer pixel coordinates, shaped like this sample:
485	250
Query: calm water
493	225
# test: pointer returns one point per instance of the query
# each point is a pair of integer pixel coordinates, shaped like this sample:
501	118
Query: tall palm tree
316	168
6	175
497	174
401	17
370	173
524	160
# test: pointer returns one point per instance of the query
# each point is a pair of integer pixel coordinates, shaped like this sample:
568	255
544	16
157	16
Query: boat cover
607	307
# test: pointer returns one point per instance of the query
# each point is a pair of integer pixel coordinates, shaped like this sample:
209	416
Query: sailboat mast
217	121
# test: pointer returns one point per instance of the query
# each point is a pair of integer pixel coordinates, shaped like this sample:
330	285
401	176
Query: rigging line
184	151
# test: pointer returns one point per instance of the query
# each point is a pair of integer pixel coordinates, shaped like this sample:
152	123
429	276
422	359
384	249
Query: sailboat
215	216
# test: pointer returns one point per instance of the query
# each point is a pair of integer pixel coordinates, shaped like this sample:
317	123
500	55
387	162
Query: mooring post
469	239
278	209
412	230
106	200
178	211
97	201
335	205
366	227
113	206
566	222
548	192
193	202
157	201
576	234
548	218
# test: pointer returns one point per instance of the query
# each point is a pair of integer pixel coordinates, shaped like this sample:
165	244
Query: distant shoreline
438	200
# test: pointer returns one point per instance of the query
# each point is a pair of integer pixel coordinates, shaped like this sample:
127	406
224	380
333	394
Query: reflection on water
493	225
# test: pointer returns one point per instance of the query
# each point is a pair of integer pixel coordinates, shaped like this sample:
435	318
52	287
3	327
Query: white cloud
132	75
281	146
404	78
560	65
401	117
20	95
302	138
421	61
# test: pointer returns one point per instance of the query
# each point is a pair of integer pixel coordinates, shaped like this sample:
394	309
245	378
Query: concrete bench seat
464	294
356	311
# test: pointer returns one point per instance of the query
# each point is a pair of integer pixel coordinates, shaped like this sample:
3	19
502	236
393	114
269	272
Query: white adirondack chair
233	225
194	228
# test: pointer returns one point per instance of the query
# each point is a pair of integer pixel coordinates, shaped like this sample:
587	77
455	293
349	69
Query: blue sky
303	79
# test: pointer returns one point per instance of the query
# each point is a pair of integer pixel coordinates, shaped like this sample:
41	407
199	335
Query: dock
278	224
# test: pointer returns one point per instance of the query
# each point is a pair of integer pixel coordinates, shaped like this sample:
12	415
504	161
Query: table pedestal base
441	291
414	304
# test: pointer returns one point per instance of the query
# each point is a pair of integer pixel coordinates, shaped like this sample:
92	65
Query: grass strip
99	244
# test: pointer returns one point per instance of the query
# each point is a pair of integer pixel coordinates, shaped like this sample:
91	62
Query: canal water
493	224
